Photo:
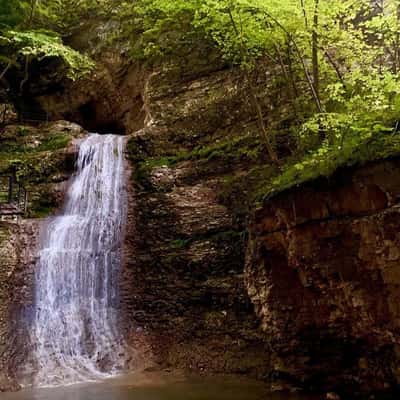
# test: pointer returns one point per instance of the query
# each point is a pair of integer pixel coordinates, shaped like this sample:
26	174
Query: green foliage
353	45
172	28
44	44
11	13
68	16
39	156
62	16
27	33
355	150
160	29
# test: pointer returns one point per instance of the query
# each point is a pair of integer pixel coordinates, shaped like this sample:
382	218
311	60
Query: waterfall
75	329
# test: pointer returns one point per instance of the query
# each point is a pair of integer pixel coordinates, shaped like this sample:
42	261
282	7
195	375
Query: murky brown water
145	387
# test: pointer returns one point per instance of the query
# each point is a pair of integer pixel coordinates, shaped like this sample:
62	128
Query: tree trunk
289	79
334	66
26	77
309	79
315	62
304	13
291	71
31	12
253	95
5	70
261	122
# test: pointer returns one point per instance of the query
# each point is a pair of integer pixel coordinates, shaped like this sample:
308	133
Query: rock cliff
322	270
314	304
17	257
185	288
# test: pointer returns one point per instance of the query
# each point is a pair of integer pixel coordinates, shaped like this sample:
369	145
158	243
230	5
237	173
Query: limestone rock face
302	310
184	287
110	98
323	271
8	263
107	101
18	242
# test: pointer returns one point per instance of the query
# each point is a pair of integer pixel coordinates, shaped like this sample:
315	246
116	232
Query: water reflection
128	389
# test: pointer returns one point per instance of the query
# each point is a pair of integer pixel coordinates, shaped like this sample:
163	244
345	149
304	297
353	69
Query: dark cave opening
90	119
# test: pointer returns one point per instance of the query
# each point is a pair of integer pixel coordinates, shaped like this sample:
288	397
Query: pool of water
147	387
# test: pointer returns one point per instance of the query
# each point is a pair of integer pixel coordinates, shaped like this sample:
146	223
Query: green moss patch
246	177
38	154
55	142
222	154
326	160
264	182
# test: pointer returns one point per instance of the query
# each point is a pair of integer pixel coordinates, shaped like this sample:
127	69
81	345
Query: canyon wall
322	270
302	292
18	241
184	260
8	264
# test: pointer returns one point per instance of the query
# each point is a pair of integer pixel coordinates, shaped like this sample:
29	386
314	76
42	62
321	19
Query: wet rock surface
323	273
184	252
187	296
18	241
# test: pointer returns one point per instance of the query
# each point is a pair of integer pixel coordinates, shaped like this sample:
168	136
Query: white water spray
75	331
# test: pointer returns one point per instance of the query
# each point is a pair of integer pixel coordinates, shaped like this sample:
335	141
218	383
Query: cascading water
75	332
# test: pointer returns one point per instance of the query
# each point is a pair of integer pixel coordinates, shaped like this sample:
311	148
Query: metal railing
31	116
13	195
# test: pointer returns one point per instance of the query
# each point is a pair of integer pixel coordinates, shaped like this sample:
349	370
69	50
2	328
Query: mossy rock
41	157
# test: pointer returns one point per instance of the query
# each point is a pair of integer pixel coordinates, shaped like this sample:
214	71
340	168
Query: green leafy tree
341	54
67	16
27	33
11	13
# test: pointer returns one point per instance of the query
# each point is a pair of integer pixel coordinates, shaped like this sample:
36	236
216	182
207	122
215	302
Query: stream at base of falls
152	386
